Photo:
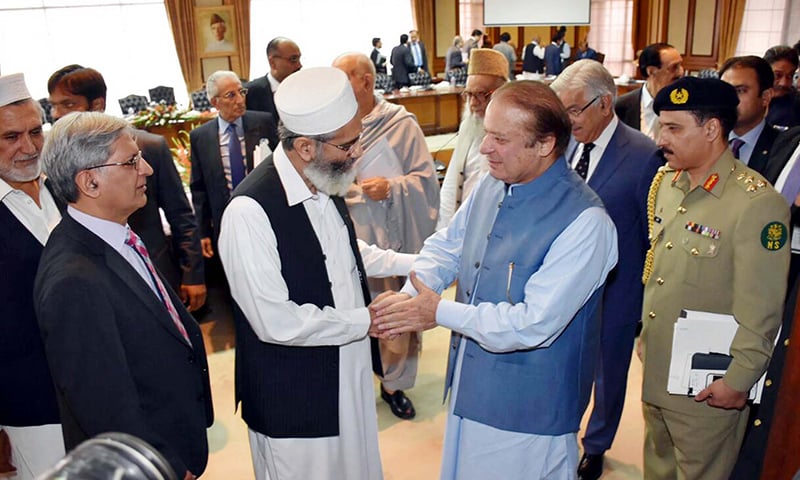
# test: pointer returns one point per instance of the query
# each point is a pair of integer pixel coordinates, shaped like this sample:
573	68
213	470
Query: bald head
361	72
284	57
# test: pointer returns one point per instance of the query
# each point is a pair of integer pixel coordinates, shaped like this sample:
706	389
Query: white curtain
324	29
127	41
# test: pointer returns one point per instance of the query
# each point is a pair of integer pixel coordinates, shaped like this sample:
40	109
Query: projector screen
535	12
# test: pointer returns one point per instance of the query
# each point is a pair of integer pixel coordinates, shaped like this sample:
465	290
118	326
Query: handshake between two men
393	313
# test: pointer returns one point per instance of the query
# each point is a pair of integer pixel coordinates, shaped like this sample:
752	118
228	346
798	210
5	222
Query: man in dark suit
124	353
28	212
402	63
418	51
752	137
659	64
214	176
378	59
78	89
784	109
283	56
618	163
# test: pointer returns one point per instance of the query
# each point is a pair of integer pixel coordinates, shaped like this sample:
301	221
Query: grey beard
331	178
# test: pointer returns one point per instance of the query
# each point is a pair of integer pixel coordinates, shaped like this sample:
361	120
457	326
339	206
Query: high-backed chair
162	93
422	79
200	100
459	74
601	57
384	82
46	106
133	104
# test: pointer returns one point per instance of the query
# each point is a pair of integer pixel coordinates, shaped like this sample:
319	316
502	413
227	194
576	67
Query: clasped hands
393	313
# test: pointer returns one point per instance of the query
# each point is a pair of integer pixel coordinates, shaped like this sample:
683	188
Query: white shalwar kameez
248	249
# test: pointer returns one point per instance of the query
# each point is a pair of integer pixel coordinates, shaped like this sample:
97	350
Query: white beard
23	174
330	178
471	126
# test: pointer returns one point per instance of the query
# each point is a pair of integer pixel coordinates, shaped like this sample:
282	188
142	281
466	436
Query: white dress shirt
39	221
600	145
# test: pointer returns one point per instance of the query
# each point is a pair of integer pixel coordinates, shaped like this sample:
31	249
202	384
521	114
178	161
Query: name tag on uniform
795	239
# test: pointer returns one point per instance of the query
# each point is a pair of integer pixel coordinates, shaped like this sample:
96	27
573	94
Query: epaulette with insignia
750	183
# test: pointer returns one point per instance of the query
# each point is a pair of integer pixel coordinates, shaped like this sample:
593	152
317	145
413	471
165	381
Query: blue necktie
736	146
235	156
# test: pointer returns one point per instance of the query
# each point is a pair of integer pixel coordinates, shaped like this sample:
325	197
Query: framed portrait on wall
216	31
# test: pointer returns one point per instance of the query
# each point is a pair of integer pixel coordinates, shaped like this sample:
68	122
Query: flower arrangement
161	114
181	156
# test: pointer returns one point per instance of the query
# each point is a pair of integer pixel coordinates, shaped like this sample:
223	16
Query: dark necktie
235	156
137	245
736	146
582	167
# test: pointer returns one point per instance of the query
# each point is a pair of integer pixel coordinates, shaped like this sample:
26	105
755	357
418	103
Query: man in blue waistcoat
530	248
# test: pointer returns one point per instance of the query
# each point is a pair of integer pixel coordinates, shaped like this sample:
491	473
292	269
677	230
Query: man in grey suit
214	176
659	64
618	163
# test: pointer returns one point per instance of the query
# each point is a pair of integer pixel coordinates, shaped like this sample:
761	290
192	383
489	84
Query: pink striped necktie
136	243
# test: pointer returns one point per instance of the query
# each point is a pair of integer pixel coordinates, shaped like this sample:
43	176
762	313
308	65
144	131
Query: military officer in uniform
719	238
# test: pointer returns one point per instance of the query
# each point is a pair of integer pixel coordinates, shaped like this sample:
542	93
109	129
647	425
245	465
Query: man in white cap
292	260
487	71
28	213
393	205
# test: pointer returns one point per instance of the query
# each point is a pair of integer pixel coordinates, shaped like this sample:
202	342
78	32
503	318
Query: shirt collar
6	189
223	124
110	232
751	137
647	99
273	83
607	133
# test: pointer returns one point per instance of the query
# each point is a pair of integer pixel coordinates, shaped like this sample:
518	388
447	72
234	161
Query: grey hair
457	40
287	136
211	83
588	75
76	142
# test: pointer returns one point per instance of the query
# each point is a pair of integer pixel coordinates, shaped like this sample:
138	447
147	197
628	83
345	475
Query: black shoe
591	467
400	404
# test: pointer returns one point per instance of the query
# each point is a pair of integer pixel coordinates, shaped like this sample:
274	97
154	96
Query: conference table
438	110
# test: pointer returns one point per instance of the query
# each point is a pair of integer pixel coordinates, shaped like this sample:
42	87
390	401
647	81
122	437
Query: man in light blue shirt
531	249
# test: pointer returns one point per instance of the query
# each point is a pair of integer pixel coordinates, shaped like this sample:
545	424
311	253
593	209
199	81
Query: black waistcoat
291	391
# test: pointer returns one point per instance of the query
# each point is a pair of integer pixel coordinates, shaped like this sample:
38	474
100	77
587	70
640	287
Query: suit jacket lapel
216	172
609	162
128	276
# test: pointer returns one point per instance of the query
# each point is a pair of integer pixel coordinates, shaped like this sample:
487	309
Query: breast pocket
700	252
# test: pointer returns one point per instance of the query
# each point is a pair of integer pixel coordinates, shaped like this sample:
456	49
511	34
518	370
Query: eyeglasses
348	147
133	162
292	59
574	112
229	95
480	96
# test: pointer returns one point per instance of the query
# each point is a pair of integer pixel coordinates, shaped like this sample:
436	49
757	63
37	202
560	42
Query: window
470	17
324	29
128	41
762	27
611	34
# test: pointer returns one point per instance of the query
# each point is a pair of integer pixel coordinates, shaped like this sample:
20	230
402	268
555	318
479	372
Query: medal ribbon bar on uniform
703	230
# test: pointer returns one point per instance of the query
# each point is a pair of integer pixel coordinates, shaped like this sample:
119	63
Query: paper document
379	161
701	344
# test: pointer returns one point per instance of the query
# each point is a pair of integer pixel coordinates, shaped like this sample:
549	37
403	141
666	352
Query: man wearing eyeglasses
222	152
124	353
75	88
28	213
303	351
618	163
394	204
284	59
487	71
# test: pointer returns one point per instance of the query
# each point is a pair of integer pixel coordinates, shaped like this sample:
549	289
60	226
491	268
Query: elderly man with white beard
487	71
303	351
